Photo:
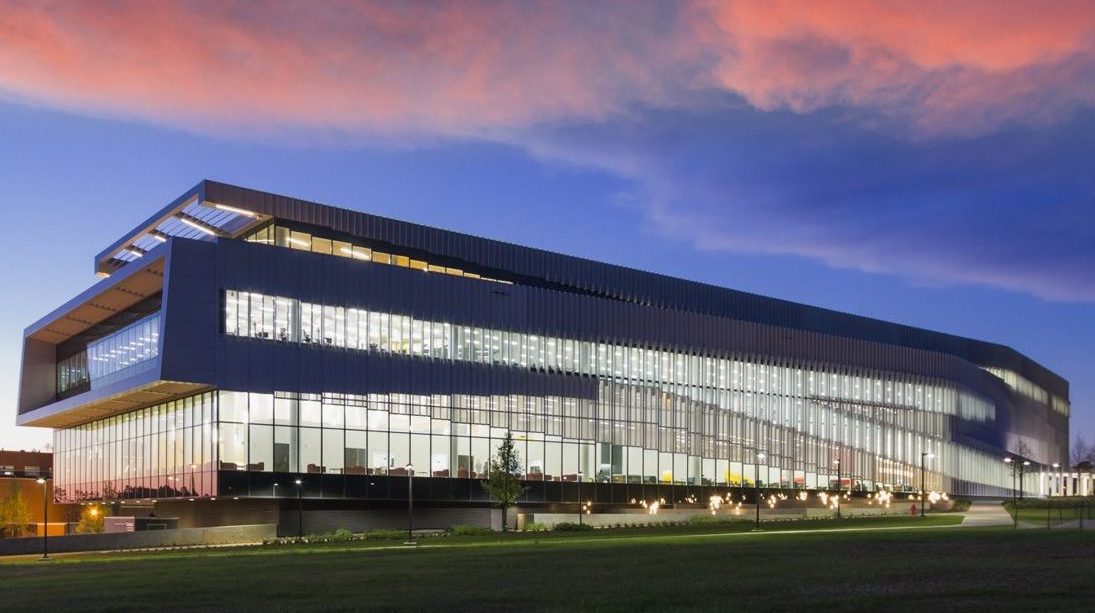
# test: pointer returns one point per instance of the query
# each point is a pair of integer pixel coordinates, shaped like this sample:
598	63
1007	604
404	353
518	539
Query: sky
930	163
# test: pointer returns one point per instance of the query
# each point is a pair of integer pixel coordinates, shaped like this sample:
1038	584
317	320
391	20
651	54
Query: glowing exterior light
232	209
196	226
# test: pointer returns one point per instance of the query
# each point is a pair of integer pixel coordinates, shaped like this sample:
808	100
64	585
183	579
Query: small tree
504	481
1081	451
91	520
14	513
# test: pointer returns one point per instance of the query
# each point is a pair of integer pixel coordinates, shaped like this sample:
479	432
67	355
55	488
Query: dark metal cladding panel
566	273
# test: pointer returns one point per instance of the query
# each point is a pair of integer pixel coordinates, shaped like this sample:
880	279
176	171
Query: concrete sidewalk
987	513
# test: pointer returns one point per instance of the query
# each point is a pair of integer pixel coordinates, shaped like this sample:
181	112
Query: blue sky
951	194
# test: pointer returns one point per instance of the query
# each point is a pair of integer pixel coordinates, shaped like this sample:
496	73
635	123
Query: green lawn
1068	510
863	564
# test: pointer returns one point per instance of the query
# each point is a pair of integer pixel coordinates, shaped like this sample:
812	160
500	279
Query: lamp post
581	508
1014	493
410	504
1049	497
300	509
756	485
1022	469
924	455
45	517
839	486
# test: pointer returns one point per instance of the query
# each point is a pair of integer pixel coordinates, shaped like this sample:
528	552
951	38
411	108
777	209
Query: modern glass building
240	341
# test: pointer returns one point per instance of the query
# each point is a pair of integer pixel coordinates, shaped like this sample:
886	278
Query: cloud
479	68
944	67
1013	209
466	68
934	139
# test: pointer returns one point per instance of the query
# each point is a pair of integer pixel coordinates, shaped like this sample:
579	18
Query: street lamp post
756	485
300	509
924	455
410	505
839	487
1049	497
1014	493
1022	469
45	517
581	507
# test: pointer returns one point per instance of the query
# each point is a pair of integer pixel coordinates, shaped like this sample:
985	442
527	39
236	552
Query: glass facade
659	416
282	236
162	451
114	357
124	353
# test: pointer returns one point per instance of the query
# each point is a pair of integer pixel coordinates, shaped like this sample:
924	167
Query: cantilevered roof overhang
101	301
191	215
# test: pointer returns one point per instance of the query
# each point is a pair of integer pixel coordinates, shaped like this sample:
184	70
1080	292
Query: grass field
1058	511
863	564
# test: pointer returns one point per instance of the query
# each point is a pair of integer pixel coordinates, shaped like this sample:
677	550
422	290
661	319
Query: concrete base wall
140	540
320	521
745	513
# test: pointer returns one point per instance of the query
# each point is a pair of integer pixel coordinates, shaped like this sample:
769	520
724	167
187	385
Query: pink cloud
450	68
477	68
946	67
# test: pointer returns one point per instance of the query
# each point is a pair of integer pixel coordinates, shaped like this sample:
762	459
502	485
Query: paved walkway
987	513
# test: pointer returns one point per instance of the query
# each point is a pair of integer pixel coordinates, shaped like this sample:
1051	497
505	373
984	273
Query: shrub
535	526
960	505
709	520
567	526
466	530
341	535
385	535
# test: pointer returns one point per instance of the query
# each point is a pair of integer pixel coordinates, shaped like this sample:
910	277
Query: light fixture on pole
1014	493
839	486
756	485
300	508
924	455
1049	497
45	517
581	506
1022	469
410	505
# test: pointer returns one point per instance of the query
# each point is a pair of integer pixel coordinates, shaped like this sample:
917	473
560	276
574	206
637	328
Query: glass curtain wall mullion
854	416
152	453
124	353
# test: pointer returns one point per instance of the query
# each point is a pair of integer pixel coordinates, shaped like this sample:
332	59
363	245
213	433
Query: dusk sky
931	163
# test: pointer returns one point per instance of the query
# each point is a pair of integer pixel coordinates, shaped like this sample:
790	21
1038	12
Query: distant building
26	464
23	469
241	341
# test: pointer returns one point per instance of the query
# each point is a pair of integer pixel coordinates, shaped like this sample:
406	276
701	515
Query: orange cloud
483	68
